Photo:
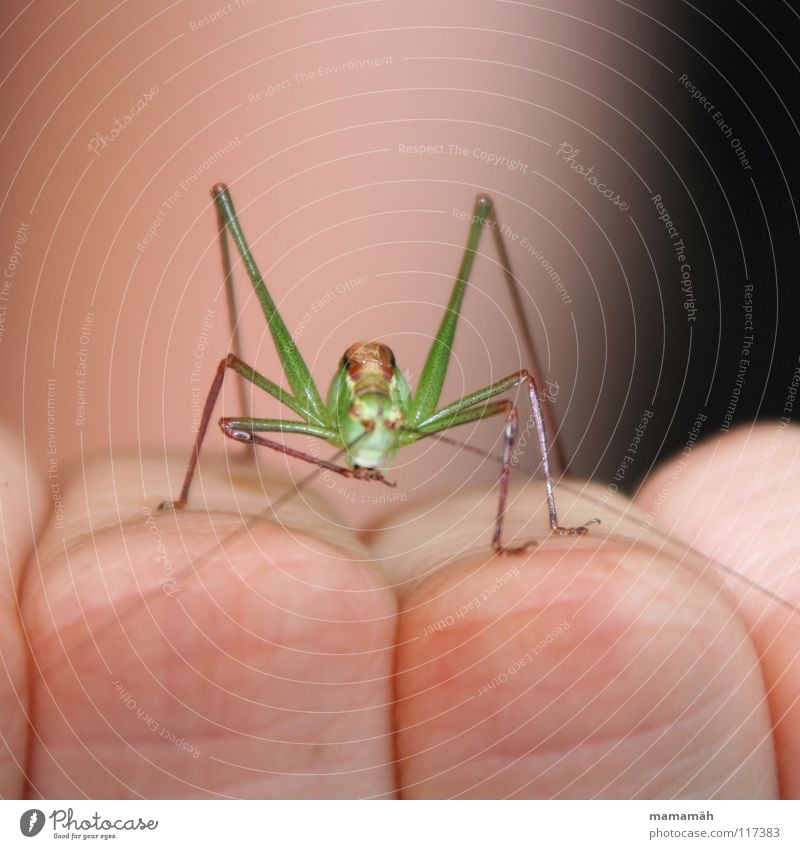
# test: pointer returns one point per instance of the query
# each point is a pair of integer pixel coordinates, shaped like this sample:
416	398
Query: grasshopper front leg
247	431
249	373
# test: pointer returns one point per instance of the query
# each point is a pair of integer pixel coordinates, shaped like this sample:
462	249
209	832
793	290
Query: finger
22	508
205	654
736	498
588	667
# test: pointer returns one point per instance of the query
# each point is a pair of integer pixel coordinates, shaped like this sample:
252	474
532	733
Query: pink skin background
358	234
327	192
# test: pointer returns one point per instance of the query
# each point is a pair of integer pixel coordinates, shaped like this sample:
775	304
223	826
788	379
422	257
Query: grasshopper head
375	413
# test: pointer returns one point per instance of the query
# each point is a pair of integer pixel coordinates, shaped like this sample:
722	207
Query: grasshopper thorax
371	404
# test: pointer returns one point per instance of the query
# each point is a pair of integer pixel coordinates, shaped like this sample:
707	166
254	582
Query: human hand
211	653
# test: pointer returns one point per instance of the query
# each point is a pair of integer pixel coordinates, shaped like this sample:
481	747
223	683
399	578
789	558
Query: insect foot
506	550
172	505
575	532
369	475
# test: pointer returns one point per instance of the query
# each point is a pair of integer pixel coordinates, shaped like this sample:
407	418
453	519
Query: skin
251	644
297	661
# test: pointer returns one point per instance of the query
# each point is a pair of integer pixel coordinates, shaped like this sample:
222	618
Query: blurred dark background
729	180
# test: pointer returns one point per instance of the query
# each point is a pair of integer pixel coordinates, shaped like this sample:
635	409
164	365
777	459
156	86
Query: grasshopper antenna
557	459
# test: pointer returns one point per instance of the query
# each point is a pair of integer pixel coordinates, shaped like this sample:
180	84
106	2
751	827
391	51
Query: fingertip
735	498
23	509
581	668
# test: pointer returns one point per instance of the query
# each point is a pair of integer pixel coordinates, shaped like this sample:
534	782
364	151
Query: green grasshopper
371	412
